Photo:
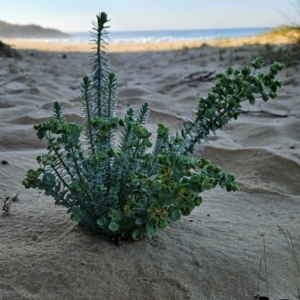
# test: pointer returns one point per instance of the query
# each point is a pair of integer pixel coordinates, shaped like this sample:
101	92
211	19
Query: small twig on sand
291	245
15	198
195	77
14	79
263	112
265	258
257	295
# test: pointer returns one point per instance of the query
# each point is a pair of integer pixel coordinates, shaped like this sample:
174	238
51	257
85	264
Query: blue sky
125	15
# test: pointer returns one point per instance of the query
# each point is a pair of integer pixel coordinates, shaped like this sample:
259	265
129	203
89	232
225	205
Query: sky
133	15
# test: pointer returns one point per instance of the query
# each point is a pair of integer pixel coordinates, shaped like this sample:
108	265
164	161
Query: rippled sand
215	252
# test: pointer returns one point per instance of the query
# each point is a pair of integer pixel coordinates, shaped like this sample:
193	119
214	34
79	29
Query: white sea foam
143	37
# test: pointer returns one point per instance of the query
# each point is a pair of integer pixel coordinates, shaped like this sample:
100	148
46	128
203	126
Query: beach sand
214	253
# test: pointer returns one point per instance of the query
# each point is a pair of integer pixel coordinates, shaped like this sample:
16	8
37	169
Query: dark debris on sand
8	51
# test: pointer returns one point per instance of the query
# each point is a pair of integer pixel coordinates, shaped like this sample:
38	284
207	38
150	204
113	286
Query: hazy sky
76	15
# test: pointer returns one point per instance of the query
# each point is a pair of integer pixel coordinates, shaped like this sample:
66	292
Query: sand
214	253
162	46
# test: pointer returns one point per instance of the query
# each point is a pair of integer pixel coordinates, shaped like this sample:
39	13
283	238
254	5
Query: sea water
164	35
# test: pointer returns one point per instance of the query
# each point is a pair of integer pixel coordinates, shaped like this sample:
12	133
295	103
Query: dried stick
190	78
265	258
288	238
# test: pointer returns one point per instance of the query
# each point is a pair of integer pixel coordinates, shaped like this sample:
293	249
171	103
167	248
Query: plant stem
48	138
79	175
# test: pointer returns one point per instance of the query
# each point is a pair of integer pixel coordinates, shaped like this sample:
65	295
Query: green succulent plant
130	188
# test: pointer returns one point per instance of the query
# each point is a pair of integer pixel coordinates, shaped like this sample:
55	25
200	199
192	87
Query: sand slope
212	254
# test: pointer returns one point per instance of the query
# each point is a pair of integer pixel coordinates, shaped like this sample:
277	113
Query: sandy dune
215	252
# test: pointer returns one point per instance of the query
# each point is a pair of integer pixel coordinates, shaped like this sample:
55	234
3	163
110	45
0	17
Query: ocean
165	35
